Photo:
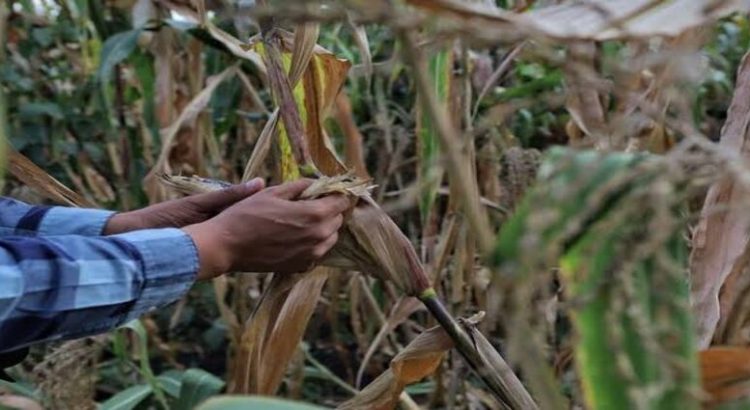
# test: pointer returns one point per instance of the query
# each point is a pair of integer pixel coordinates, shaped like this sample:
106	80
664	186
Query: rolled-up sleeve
67	286
18	218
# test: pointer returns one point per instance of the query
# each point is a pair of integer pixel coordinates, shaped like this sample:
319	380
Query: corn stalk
626	281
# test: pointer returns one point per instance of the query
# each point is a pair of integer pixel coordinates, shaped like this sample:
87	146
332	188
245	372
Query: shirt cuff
61	220
170	266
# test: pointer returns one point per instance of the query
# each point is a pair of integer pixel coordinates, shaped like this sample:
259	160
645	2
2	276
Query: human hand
269	232
182	212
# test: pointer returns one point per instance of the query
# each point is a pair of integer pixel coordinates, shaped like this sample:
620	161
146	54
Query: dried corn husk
369	241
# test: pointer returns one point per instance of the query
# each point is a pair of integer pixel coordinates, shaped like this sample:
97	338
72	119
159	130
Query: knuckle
319	233
319	251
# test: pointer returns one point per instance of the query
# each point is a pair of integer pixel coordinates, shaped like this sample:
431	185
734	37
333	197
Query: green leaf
254	402
128	398
197	386
145	365
171	382
43	36
38	109
22	388
116	49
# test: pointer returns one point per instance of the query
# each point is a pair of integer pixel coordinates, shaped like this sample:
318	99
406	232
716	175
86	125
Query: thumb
221	199
291	190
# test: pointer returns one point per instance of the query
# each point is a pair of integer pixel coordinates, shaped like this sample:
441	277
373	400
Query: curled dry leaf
418	360
399	313
725	373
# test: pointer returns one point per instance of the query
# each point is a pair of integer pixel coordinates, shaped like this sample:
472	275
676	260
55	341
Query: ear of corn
623	263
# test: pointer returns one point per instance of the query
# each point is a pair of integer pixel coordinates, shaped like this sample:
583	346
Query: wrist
122	222
213	257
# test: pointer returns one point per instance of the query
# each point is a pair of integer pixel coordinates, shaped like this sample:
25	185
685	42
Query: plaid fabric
61	279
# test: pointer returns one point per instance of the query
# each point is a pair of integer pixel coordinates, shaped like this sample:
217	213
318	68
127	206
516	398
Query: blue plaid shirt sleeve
56	287
18	218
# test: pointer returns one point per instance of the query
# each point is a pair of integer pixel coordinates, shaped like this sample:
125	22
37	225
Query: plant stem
466	183
503	384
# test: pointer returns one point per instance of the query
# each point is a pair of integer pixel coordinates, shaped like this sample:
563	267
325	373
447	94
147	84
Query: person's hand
269	232
182	212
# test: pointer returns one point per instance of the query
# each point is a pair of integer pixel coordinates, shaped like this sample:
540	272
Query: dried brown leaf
303	47
262	147
584	103
42	182
590	20
353	139
186	117
403	308
725	373
274	330
236	47
722	234
418	360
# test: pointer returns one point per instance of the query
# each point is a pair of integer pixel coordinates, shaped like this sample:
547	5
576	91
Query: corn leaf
418	360
274	331
42	182
622	260
721	237
314	94
725	373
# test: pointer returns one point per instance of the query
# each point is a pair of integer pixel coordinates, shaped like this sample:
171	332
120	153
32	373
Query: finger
218	200
332	204
291	190
327	227
322	248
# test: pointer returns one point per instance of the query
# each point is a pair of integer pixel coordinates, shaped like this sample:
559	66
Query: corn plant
626	283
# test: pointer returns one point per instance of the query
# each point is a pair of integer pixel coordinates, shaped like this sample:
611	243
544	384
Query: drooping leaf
187	116
418	360
170	381
197	385
116	49
272	334
403	308
127	399
721	239
39	180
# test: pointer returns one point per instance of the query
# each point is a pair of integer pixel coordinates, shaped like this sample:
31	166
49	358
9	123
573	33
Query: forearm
21	219
63	287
